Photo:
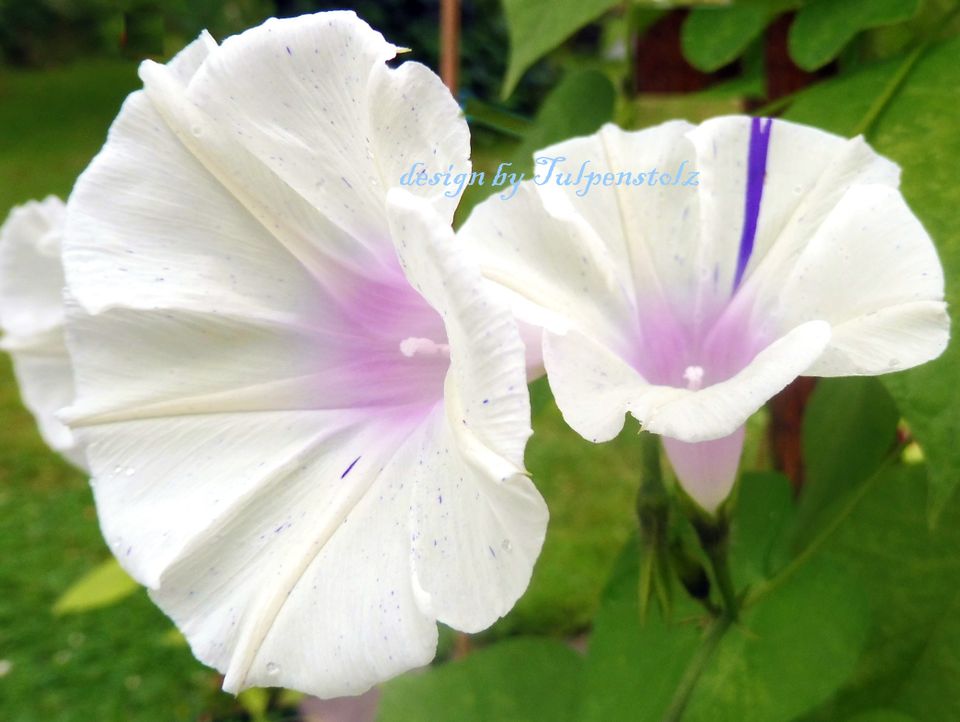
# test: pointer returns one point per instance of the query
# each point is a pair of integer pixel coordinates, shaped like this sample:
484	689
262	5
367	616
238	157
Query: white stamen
414	345
693	375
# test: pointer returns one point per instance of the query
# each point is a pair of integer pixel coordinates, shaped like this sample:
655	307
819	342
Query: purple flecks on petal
760	129
349	468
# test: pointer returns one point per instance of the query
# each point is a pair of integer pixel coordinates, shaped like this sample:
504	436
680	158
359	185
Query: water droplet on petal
273	669
506	545
117	470
894	362
130	471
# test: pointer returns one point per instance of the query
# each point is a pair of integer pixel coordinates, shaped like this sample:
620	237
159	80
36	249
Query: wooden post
450	43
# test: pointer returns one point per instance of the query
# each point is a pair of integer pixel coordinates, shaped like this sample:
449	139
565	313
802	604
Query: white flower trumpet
689	306
305	413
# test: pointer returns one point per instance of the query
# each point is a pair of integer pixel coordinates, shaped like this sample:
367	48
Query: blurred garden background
873	630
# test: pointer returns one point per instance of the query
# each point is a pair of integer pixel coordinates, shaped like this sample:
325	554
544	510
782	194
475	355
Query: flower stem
695	669
714	535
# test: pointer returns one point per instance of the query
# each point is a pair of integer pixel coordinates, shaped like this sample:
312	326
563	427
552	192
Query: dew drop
506	545
894	362
117	470
130	471
273	669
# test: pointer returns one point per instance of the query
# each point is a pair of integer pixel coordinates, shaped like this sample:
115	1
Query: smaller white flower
32	314
750	251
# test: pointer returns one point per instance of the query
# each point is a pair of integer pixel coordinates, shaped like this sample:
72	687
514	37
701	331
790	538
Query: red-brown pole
450	43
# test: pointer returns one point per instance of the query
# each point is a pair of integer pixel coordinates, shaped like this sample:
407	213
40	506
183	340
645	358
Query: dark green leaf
882	715
521	680
914	129
822	28
763	514
849	427
538	26
715	36
911	575
785	656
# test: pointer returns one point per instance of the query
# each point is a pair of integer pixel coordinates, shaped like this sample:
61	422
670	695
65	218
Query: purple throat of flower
694	354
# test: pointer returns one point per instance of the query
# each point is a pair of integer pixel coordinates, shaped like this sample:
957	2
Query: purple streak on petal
348	469
756	170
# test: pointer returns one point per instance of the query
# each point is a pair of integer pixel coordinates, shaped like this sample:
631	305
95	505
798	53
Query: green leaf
911	575
712	37
763	514
102	586
849	427
538	26
823	28
579	105
521	680
785	656
255	702
914	129
882	715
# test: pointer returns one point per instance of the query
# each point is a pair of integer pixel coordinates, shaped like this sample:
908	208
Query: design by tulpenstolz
795	254
551	170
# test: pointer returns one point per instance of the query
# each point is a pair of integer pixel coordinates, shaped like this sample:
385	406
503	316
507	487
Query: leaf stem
814	546
890	90
695	669
720	564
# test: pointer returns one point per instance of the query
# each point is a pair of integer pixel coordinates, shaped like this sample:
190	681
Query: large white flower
757	251
31	316
306	416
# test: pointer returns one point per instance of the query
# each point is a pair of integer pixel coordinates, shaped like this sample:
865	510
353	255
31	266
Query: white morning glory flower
31	316
306	416
769	250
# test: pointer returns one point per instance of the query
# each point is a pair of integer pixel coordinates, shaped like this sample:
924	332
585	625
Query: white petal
872	272
555	271
806	171
478	521
149	226
32	314
631	218
31	276
277	541
312	100
45	377
594	388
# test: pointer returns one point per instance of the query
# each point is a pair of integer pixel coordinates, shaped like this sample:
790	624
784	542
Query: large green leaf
785	656
916	128
911	575
521	680
849	427
882	715
712	37
538	26
823	28
102	586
